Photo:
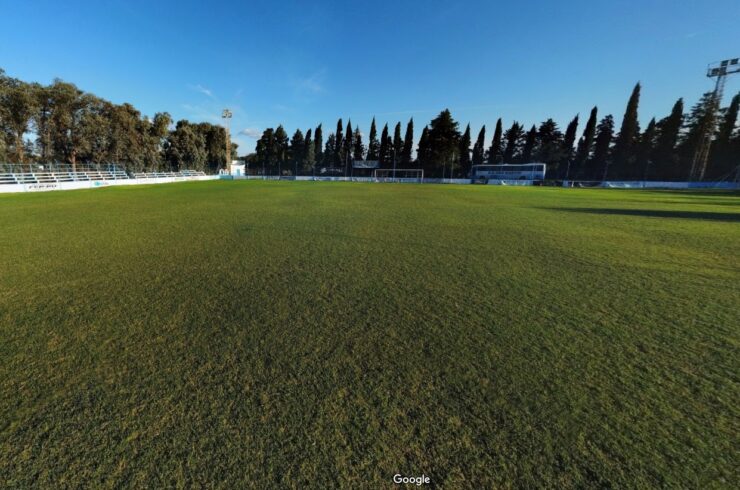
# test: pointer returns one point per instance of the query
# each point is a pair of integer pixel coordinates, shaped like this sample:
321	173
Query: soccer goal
399	175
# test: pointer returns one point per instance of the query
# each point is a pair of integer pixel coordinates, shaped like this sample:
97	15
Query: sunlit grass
282	334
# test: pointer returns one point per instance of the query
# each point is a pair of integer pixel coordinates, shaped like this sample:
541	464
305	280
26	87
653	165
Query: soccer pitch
288	334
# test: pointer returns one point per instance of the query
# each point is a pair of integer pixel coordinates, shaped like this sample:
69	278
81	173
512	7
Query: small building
237	168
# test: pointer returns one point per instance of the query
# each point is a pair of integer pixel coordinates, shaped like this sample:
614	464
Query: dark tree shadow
655	213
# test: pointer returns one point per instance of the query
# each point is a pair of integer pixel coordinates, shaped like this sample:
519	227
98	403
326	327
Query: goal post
415	175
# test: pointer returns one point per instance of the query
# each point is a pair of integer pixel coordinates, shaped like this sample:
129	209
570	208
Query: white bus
506	171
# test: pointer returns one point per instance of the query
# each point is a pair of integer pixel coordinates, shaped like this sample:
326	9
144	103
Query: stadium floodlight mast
720	71
226	116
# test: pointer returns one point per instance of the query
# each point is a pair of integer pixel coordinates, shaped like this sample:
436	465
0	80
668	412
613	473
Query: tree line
663	150
70	126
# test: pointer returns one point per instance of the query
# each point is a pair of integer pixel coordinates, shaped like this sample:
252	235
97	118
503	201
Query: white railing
55	177
161	175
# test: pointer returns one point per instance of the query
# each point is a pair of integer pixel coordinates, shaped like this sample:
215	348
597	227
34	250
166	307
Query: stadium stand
40	174
45	177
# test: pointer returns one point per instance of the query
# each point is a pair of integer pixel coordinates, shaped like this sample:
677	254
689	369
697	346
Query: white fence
407	180
647	184
566	183
95	184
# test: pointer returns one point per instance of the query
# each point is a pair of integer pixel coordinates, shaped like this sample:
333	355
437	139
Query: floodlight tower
226	115
720	71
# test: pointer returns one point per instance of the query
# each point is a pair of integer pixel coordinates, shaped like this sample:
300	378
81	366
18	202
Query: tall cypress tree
397	145
408	142
309	162
644	151
585	144
338	142
329	150
465	152
568	140
373	147
623	154
384	155
599	166
318	145
296	151
359	148
422	152
495	152
479	147
529	142
665	156
349	140
281	147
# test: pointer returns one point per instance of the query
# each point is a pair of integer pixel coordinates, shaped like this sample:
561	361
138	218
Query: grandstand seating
45	177
48	176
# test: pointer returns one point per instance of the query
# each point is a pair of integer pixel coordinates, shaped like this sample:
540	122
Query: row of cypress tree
663	150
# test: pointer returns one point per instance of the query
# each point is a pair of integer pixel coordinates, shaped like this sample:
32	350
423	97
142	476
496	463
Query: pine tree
443	143
329	150
665	156
265	150
495	151
529	141
408	143
723	160
568	140
359	148
599	165
513	138
644	151
397	145
623	157
385	156
700	123
318	145
479	147
373	147
585	144
549	148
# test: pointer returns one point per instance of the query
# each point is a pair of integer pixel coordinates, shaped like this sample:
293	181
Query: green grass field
282	334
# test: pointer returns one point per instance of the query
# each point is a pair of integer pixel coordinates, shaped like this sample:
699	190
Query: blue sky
301	63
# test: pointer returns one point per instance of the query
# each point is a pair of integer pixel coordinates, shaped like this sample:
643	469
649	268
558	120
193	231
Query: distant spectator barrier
646	184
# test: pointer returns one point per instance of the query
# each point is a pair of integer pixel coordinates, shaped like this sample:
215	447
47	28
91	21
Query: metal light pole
226	116
719	70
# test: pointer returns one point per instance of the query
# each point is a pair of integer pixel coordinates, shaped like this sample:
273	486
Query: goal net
398	175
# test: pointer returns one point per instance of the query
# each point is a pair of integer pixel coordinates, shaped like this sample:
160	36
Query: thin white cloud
251	132
313	84
203	90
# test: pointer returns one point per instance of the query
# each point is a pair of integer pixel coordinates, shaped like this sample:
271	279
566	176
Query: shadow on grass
654	213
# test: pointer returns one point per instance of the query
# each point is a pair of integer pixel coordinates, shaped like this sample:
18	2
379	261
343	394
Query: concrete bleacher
88	174
47	177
